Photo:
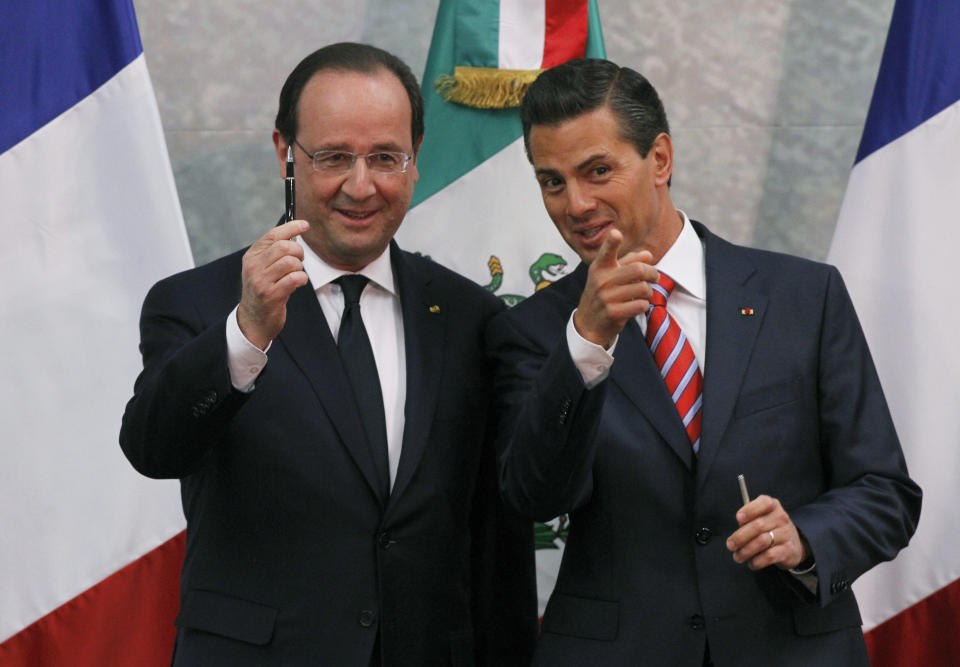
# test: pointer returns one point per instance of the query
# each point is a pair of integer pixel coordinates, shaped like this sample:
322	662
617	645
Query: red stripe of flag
126	619
923	634
566	31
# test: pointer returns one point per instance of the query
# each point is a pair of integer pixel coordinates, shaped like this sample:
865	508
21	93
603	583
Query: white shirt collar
684	261
379	271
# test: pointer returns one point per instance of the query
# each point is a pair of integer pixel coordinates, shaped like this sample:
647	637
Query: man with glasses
323	398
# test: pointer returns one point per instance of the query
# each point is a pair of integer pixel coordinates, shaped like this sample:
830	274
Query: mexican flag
897	242
477	207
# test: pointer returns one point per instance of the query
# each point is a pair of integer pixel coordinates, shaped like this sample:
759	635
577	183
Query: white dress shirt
382	318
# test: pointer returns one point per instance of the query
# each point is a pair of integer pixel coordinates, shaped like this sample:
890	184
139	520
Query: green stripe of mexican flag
477	206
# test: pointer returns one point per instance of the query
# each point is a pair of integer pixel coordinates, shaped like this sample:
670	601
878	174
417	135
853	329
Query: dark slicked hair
350	57
586	84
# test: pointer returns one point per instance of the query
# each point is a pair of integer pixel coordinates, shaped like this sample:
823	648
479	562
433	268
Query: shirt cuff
244	359
591	360
808	577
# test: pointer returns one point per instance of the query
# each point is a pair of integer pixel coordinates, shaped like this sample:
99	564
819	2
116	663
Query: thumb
610	249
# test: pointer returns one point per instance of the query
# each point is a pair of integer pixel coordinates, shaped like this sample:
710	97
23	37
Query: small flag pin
434	309
746	311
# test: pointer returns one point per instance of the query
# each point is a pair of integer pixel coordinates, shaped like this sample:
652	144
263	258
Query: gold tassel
486	87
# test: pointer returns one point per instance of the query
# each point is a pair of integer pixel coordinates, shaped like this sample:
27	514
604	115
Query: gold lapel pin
434	309
747	311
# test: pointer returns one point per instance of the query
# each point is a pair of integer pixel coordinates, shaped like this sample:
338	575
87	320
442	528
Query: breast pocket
769	396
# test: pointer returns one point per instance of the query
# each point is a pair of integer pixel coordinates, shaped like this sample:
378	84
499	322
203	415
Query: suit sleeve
183	398
548	419
871	506
504	574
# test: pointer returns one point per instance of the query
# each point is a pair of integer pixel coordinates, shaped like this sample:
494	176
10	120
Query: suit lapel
424	319
730	338
635	372
307	338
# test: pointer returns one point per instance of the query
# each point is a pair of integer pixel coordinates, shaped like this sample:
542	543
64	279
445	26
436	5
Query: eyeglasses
341	162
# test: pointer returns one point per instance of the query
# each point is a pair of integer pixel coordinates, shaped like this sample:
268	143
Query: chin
586	256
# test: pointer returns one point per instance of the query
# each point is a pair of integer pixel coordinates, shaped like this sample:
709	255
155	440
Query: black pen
291	189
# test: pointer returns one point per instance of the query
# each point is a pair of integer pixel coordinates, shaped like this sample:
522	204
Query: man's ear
662	151
280	144
416	150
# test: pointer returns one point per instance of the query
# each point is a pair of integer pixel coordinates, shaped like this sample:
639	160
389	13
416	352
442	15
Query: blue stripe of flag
53	53
920	71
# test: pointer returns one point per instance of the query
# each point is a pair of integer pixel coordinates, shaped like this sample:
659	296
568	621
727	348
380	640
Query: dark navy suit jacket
791	400
292	557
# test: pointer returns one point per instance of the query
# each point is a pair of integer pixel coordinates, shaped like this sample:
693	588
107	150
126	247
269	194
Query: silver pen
743	489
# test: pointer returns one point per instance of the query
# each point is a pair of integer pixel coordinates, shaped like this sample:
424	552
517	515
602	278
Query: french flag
90	551
897	243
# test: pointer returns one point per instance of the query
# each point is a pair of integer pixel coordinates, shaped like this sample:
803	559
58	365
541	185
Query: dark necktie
674	356
357	357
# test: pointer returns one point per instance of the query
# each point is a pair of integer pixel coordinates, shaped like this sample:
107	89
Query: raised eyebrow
590	160
344	148
542	171
339	148
389	148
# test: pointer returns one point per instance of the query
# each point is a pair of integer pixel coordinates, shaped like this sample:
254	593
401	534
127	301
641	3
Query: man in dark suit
323	528
750	363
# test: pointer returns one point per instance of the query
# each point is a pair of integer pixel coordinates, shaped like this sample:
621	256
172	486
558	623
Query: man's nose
579	201
359	181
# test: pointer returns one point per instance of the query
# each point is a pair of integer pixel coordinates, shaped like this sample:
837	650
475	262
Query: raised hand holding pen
617	289
766	535
272	270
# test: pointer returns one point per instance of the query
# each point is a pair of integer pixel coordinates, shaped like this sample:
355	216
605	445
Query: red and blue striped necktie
676	361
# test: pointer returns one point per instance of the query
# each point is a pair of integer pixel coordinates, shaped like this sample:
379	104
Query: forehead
347	107
569	142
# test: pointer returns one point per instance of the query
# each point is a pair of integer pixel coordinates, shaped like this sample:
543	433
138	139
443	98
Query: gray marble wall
766	100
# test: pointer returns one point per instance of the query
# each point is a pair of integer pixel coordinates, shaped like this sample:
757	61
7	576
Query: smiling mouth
355	215
592	231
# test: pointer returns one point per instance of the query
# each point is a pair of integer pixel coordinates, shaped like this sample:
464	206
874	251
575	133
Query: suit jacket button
703	536
366	618
384	540
696	622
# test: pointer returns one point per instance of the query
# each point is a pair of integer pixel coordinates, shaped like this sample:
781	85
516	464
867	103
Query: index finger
287	230
757	507
610	248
